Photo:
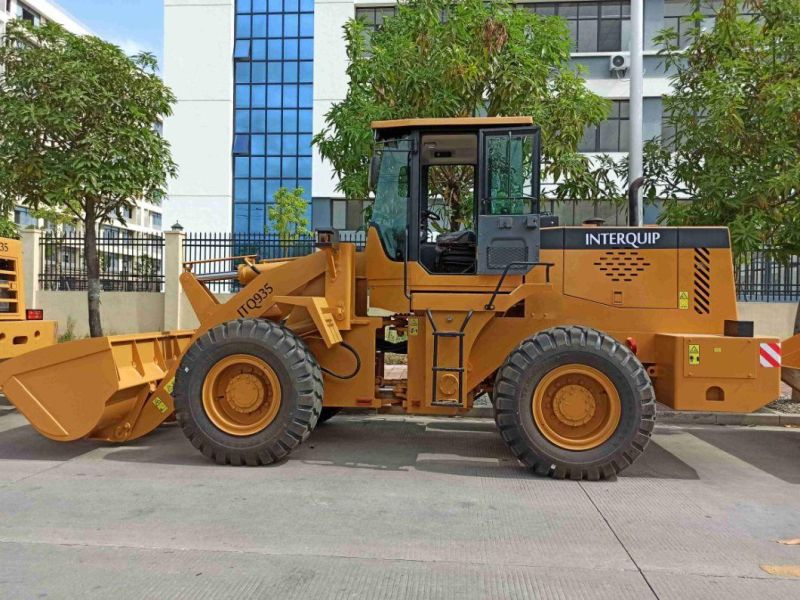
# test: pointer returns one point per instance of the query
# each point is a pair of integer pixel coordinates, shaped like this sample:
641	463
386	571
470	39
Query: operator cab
458	196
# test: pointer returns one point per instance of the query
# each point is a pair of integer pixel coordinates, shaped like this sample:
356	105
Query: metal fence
129	262
222	252
761	278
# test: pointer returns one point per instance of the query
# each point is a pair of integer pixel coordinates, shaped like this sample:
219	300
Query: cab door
508	202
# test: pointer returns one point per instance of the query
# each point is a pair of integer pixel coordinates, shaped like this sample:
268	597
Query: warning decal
413	326
694	354
683	300
770	355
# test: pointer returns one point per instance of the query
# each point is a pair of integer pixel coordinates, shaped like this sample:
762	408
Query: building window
677	11
273	98
593	26
612	134
23	218
155	220
373	17
28	14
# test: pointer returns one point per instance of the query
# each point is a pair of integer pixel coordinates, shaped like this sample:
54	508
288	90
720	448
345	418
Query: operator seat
456	252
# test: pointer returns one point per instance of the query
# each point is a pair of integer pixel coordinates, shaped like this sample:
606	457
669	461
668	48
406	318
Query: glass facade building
273	70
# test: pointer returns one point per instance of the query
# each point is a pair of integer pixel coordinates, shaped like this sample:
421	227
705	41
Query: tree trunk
796	392
92	259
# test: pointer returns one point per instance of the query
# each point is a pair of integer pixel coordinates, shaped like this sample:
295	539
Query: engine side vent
622	265
702	281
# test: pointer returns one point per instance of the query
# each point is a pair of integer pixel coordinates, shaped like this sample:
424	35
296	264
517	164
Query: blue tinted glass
259	72
257	190
273	167
274	72
241	145
291	5
304	144
259	50
259	6
241	167
273	121
305	120
306	185
306	71
257	218
307	5
273	185
289	144
307	49
260	26
290	25
242	72
257	145
274	145
242	6
306	25
242	96
289	184
304	166
243	27
259	121
257	167
306	96
275	28
240	217
242	121
275	6
290	72
259	95
240	189
290	120
273	96
290	49
242	49
275	49
289	167
290	95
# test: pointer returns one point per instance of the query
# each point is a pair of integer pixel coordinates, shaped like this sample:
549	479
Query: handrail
548	266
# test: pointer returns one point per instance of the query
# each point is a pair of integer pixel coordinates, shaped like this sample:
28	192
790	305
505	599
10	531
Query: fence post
173	266
31	265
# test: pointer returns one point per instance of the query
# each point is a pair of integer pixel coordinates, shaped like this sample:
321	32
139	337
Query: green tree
439	58
287	216
734	156
78	120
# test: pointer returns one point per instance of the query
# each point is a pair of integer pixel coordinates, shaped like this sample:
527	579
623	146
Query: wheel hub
245	393
576	407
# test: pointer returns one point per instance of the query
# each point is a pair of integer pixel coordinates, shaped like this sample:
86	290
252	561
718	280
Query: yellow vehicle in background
21	329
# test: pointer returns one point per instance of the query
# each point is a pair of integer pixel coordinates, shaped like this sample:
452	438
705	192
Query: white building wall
198	66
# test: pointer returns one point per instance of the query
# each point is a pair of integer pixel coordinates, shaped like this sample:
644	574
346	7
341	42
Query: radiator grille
702	281
622	265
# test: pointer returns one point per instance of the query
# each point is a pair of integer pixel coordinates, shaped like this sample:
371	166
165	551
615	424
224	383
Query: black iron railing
222	252
129	262
761	278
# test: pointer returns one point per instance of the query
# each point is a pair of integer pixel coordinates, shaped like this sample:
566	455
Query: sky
133	25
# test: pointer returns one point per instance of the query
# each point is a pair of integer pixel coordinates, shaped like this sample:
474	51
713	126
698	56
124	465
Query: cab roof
472	122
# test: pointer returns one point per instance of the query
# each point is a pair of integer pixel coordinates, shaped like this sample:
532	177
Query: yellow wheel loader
21	329
573	331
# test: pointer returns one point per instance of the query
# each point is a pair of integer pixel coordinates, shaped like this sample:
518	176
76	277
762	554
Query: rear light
34	314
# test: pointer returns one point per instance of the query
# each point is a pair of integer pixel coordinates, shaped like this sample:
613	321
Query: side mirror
374	169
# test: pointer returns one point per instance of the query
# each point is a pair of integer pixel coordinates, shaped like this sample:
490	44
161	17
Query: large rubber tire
525	368
328	413
300	381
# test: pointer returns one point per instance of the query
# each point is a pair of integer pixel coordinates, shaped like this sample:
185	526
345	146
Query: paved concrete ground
389	508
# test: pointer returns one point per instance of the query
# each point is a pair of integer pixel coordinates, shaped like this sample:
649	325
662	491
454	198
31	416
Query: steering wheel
430	215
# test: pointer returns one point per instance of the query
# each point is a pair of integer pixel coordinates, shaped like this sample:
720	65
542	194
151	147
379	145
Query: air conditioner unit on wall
621	61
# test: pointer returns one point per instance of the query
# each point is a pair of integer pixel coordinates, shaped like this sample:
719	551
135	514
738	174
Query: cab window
390	210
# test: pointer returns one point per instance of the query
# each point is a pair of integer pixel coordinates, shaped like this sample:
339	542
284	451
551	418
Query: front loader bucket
790	367
92	388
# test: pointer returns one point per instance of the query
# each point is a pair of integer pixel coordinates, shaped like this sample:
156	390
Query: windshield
390	210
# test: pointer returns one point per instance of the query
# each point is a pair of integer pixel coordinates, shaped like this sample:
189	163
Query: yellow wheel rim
241	394
576	407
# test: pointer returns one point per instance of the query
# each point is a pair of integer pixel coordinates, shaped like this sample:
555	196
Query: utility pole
635	159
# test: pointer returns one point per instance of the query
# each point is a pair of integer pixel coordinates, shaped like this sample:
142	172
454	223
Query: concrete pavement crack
619	540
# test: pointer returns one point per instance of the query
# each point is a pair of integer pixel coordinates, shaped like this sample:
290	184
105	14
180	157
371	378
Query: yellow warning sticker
694	354
413	326
683	300
160	405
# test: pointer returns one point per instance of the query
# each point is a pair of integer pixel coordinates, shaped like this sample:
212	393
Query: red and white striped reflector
770	355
